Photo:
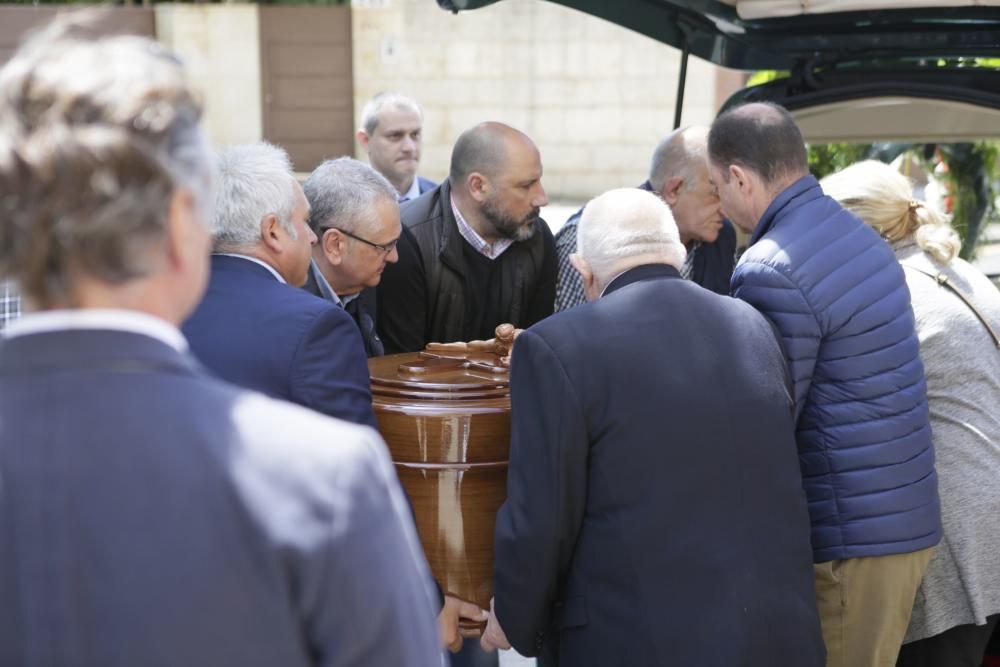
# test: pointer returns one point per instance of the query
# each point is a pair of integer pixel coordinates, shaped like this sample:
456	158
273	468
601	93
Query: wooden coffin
446	419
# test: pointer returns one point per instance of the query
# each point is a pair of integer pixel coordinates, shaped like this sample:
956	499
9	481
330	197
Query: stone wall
221	47
595	97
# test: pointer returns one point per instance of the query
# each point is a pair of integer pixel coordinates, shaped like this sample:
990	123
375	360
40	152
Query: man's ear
332	243
744	182
272	234
362	137
671	189
582	267
478	186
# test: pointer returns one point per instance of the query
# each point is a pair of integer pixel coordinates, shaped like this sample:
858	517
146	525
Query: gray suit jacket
150	515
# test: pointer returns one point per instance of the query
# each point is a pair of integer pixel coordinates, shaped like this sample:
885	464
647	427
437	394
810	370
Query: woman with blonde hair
957	311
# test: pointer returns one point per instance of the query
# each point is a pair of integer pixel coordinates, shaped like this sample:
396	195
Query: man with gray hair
152	514
637	529
679	175
254	327
391	133
356	219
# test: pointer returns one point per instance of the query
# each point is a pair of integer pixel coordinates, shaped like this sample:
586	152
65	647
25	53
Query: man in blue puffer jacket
839	300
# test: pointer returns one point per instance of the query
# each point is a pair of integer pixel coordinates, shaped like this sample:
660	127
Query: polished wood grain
446	420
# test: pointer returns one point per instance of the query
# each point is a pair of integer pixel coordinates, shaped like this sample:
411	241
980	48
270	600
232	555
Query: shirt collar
322	284
491	250
413	192
131	321
267	266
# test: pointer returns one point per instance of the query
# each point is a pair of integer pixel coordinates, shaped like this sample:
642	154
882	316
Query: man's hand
493	637
451	612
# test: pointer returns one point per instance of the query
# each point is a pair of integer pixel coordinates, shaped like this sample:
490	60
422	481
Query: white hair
624	225
374	106
254	181
342	193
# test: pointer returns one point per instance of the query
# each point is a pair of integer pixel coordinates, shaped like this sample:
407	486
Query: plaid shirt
569	287
491	250
10	303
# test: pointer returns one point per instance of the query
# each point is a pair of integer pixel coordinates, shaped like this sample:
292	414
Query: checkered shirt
491	250
688	267
10	303
569	287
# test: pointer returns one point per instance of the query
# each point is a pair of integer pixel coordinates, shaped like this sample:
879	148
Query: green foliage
971	175
766	76
972	170
824	159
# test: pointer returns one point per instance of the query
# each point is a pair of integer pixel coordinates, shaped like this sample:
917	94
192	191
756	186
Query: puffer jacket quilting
838	297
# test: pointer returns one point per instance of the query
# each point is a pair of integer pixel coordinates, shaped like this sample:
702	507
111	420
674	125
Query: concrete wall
595	97
221	46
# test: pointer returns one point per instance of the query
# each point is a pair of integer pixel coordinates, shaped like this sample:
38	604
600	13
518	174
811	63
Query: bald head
496	180
762	137
485	149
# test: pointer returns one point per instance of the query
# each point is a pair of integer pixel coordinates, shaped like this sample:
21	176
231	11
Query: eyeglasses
386	248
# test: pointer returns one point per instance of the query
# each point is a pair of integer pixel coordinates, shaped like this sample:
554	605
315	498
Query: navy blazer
257	332
361	309
152	515
655	514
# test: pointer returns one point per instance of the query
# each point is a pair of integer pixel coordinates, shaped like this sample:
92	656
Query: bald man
678	174
474	252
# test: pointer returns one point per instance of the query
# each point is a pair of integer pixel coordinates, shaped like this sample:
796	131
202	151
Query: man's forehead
394	119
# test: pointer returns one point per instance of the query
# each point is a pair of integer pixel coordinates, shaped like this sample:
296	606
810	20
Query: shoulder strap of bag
942	279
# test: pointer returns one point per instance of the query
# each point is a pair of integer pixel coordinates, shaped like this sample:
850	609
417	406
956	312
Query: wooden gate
16	21
306	82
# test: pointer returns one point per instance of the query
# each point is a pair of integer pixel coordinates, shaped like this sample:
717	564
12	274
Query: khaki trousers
865	605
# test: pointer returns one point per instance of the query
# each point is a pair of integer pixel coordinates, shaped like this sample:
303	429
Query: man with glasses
355	217
255	328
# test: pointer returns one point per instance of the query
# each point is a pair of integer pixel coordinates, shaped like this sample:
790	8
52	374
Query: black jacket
655	514
422	298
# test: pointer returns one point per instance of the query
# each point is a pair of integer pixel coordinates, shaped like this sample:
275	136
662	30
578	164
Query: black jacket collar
639	274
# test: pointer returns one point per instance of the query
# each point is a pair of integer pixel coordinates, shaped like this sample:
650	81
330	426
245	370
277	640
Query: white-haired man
391	133
638	528
254	327
152	514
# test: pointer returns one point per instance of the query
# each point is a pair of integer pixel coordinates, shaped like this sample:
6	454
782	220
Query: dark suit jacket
259	333
655	512
151	515
361	309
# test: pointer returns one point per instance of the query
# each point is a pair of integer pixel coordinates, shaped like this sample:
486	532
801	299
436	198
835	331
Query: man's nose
312	236
541	199
392	256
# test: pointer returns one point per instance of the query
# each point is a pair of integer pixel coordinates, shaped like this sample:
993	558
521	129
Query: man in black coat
655	512
678	174
474	252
